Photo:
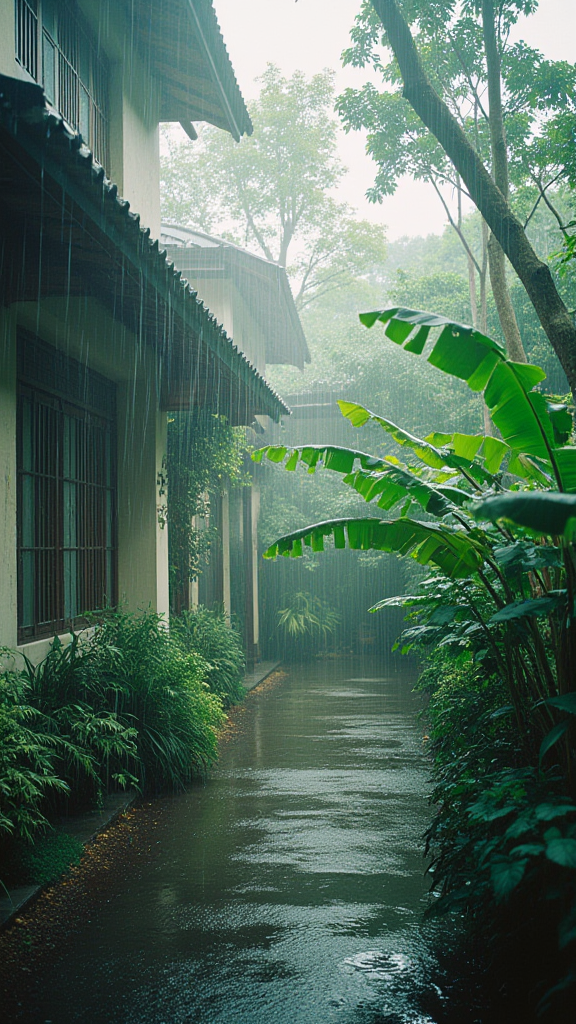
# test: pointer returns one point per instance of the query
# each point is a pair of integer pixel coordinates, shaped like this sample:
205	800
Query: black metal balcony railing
56	48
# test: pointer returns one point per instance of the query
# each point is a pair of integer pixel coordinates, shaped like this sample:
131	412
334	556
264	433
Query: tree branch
543	189
453	224
534	274
256	232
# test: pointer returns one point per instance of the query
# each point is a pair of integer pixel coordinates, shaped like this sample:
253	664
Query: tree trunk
504	307
482	275
496	257
472	290
534	274
469	261
496	116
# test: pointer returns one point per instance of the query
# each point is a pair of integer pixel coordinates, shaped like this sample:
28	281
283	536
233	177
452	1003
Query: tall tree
499	154
271	192
439	118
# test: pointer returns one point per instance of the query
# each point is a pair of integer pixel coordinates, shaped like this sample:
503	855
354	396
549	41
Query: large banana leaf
526	421
471	446
455	552
331	456
432	453
547	513
358	415
378	480
396	483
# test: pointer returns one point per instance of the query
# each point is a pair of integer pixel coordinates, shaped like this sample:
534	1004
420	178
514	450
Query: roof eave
207	29
52	145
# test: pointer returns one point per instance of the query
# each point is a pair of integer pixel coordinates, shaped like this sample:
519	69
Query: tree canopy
272	192
462	105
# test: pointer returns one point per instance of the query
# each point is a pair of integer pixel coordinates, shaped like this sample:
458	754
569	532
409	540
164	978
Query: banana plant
478	500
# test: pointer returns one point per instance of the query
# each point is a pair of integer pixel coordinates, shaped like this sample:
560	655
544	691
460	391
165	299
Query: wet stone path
287	890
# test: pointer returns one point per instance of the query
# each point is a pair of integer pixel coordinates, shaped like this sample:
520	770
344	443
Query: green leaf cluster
204	455
492	516
207	633
305	623
123	704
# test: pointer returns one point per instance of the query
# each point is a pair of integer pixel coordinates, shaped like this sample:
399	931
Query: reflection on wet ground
288	890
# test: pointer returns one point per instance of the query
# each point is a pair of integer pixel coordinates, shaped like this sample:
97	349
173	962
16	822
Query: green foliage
304	622
152	682
204	454
553	514
446	547
538	97
50	856
28	759
94	747
564	258
447	290
123	703
207	633
495	526
503	838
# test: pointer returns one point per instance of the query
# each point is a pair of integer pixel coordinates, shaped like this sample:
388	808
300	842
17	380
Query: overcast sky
309	35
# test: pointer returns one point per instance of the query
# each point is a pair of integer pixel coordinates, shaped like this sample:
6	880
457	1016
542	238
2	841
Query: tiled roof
264	287
195	77
29	123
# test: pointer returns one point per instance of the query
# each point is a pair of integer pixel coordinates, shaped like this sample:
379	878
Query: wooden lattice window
55	46
66	491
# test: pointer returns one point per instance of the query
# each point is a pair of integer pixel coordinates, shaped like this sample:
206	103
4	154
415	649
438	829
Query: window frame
70	538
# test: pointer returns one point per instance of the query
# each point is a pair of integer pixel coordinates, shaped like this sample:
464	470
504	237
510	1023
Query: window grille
66	492
56	47
26	12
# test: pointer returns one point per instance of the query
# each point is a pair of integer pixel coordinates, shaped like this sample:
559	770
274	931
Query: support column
255	503
142	536
225	532
194	585
8	562
251	621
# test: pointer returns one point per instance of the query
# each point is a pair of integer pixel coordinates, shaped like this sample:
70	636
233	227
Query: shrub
155	686
305	622
28	760
502	841
115	708
94	748
207	633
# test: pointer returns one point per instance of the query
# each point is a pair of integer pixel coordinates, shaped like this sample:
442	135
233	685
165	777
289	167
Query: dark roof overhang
66	232
184	44
263	285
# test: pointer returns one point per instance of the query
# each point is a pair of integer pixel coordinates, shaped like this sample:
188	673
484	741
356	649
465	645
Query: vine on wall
204	455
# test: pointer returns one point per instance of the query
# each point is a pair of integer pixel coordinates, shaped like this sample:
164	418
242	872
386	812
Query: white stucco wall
142	542
141	159
225	301
8	63
133	97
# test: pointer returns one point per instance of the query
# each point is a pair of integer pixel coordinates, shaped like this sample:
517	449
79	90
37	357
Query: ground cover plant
124	704
493	519
206	632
